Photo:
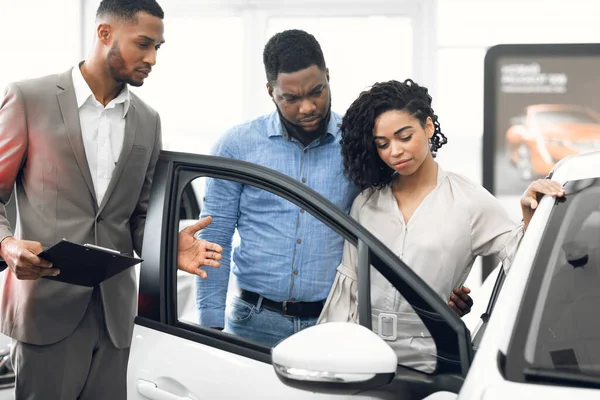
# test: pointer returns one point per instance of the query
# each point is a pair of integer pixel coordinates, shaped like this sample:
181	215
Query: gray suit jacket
43	158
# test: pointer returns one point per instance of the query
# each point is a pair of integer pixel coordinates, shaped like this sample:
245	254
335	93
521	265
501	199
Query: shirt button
299	241
98	219
302	210
303	180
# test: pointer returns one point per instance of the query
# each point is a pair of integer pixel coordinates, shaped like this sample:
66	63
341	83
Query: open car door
173	357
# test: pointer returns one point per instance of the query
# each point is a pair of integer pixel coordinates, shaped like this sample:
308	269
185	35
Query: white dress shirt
102	129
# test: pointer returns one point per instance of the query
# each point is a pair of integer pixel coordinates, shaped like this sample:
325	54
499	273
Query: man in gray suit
80	149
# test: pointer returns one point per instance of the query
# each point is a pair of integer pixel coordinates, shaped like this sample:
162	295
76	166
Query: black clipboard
85	265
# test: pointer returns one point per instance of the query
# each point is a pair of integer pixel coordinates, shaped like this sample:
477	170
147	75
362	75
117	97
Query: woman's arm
492	230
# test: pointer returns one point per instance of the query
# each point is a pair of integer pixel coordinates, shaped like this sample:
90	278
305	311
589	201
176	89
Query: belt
301	309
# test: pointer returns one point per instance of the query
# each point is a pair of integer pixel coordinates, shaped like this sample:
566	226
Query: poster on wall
541	103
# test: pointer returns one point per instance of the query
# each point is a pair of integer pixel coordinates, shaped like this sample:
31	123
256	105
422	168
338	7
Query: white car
542	331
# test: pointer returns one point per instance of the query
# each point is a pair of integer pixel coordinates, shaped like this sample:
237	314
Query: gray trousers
83	366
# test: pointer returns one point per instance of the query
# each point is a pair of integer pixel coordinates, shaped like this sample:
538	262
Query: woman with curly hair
436	221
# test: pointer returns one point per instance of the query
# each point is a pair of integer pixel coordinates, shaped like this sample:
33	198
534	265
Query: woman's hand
534	193
460	301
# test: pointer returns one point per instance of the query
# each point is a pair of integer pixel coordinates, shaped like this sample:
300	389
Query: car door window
278	252
306	267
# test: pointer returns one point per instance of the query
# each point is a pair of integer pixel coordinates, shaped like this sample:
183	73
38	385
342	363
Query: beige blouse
458	221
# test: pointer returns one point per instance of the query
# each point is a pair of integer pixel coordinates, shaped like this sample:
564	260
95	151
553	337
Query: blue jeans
253	322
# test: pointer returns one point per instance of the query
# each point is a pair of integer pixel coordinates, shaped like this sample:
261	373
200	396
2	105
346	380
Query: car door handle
151	391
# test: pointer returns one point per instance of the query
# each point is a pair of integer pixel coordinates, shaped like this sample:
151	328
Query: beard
116	66
302	135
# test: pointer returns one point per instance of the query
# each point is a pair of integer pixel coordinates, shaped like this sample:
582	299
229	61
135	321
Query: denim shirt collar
276	128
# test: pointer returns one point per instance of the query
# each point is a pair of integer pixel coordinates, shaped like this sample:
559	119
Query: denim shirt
284	253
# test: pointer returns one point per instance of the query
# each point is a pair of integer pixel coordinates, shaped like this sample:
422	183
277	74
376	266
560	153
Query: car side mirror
335	357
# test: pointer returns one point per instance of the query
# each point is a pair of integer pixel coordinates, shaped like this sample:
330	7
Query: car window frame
158	284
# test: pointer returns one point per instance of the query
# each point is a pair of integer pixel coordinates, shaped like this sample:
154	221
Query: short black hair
362	164
128	9
291	51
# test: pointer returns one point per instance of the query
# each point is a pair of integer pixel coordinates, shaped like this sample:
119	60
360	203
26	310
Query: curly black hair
128	9
362	164
291	51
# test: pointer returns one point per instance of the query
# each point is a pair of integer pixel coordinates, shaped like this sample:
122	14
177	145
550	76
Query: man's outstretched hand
194	253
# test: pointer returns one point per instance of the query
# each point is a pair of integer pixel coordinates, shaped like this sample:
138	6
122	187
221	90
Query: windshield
564	117
564	334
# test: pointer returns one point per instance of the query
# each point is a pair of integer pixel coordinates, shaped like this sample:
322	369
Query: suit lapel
129	137
70	113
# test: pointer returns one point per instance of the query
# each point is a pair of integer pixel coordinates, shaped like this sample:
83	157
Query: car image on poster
541	105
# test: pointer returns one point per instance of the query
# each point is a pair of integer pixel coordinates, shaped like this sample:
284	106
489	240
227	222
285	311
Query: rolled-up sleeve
221	201
492	230
342	302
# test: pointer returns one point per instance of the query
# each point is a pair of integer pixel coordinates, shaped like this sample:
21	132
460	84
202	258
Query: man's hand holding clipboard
22	258
84	265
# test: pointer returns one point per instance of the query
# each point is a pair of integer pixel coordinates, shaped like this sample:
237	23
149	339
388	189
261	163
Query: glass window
310	257
306	273
564	334
359	51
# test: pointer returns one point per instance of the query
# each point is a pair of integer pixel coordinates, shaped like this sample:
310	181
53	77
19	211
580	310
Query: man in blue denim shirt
285	254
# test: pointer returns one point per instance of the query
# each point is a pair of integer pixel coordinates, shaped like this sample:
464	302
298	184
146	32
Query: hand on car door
460	301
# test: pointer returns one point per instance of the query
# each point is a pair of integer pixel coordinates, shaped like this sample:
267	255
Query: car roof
577	166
